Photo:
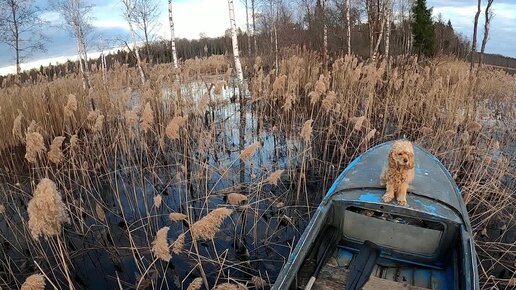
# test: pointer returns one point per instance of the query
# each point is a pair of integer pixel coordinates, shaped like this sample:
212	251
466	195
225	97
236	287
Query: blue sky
210	17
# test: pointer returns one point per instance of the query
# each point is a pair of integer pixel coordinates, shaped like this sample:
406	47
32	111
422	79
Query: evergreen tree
423	30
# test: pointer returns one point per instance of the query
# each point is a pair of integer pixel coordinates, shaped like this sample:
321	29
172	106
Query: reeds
306	131
55	155
196	284
34	146
147	119
173	126
177	216
236	198
160	246
71	106
208	226
249	151
34	282
275	177
47	211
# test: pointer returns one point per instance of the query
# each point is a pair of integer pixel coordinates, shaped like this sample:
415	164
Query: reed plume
99	123
278	87
196	284
236	198
131	118
249	151
34	146
179	244
2	209
426	131
160	245
157	200
229	286
329	101
147	118
369	135
34	282
358	122
219	86
173	126
74	142
55	155
259	282
474	126
208	226
100	212
47	211
71	106
177	216
92	116
17	127
274	177
306	131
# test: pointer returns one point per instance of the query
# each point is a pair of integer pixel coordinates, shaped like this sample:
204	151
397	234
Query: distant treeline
288	34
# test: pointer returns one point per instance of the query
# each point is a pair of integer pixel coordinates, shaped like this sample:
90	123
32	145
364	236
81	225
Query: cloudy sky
211	18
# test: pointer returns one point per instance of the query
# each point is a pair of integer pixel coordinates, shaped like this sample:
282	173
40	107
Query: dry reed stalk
160	245
259	282
369	136
274	177
173	126
55	155
147	118
306	131
179	244
329	101
100	212
47	211
229	286
2	209
17	127
177	216
34	282
34	146
358	122
157	200
74	142
196	284
249	151
219	87
131	118
99	123
208	226
236	198
71	106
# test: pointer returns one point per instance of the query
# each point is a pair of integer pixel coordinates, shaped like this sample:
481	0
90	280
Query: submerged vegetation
131	186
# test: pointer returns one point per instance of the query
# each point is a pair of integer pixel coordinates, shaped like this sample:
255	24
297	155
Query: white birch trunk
247	28
382	29
236	56
276	54
348	28
388	28
172	34
137	53
254	28
325	35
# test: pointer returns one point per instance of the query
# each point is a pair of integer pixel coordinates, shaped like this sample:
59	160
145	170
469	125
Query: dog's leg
389	192
401	197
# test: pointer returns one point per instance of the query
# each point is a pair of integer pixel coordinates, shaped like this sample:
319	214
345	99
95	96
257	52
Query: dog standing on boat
399	172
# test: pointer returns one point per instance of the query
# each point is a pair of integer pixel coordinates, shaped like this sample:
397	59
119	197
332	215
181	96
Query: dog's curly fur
399	172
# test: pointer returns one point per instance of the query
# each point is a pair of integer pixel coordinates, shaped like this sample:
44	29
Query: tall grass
148	175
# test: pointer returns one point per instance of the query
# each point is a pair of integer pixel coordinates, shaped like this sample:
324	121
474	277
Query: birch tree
146	18
77	18
253	7
474	43
236	56
347	7
488	16
172	34
129	6
21	28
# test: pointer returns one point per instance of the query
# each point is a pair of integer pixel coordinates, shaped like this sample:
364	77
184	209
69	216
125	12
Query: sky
211	17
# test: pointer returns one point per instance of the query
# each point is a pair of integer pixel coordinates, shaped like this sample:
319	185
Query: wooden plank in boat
332	277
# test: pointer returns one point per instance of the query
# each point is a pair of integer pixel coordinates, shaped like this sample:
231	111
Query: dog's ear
411	160
392	161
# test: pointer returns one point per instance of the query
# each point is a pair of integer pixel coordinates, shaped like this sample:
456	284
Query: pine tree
423	30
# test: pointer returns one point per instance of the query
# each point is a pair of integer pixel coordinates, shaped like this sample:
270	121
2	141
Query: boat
427	244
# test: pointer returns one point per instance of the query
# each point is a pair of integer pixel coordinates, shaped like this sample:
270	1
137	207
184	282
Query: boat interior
420	252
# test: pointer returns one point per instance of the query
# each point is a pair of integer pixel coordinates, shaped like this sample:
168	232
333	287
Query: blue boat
427	244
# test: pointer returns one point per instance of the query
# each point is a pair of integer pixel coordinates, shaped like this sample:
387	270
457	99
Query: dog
399	172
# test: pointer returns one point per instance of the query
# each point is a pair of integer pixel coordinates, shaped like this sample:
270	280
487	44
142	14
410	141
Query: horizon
109	25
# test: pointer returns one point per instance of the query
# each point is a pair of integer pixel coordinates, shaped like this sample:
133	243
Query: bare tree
236	56
21	28
172	34
246	3
488	17
474	43
146	18
347	7
253	7
128	12
76	14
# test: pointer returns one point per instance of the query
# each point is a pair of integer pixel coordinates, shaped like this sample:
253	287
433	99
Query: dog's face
402	156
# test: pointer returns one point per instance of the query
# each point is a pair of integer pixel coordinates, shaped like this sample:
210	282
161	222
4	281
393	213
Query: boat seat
334	277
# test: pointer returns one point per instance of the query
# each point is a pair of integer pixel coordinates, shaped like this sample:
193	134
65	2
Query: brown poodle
399	172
